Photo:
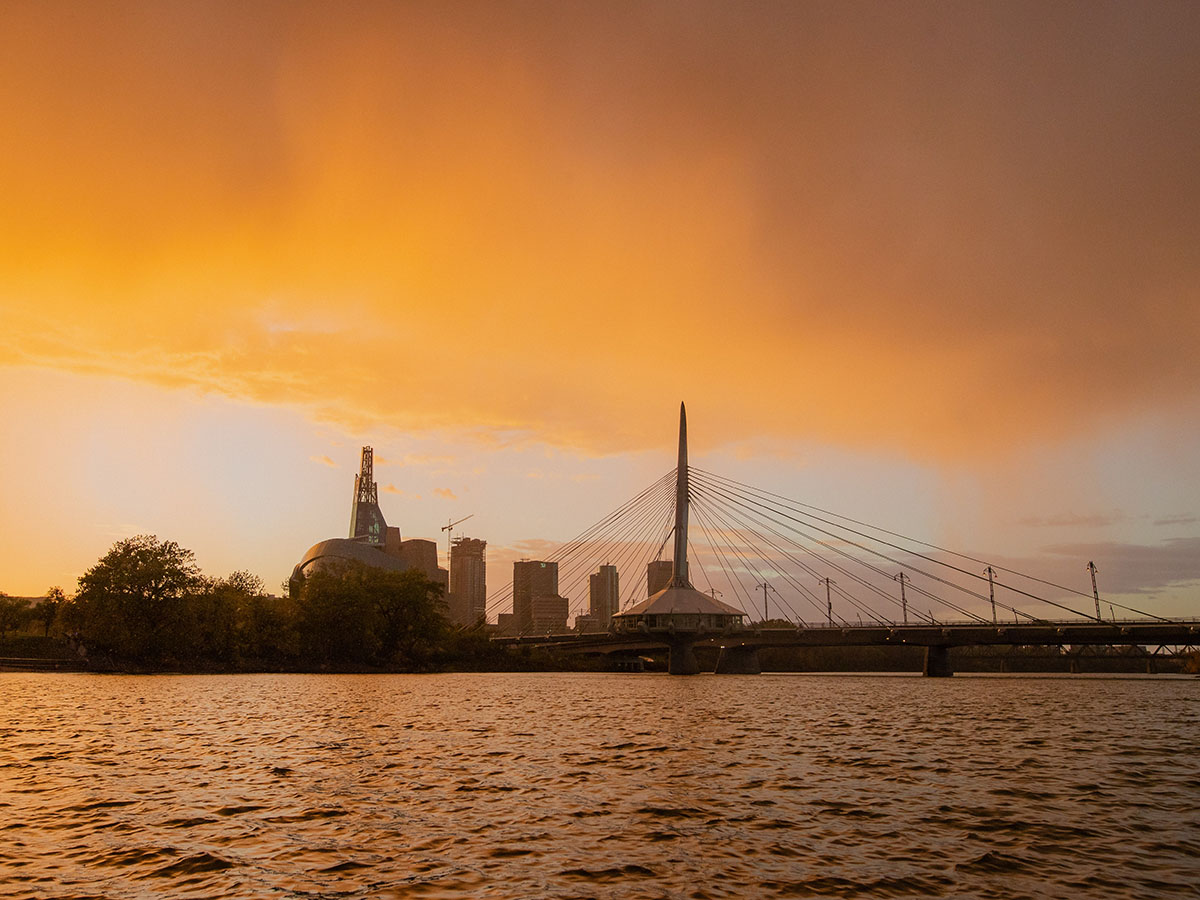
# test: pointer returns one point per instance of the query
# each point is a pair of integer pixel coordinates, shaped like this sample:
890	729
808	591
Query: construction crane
446	528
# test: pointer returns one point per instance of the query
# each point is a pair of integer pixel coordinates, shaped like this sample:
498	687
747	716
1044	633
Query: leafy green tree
357	614
267	629
334	617
47	608
14	613
134	602
233	620
411	617
471	651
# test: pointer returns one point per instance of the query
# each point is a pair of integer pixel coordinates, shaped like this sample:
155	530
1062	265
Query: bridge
739	646
857	585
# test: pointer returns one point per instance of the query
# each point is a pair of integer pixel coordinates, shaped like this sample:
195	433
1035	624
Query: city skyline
930	267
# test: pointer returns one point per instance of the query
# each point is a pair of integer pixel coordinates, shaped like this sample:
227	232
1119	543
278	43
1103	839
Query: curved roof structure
681	601
349	549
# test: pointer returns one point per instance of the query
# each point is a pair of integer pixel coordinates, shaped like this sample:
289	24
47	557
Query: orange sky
941	232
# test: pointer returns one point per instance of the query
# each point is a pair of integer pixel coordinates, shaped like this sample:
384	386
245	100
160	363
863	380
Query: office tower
658	575
604	594
532	578
468	581
548	614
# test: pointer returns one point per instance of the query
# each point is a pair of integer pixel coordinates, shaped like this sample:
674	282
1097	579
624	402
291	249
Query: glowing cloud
946	229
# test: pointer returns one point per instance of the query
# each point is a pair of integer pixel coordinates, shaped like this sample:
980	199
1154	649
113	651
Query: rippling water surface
604	786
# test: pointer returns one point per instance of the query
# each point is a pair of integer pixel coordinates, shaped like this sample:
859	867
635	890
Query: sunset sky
932	265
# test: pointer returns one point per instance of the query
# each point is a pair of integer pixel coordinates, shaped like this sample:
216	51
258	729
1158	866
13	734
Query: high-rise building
548	614
604	594
532	578
468	581
658	575
587	623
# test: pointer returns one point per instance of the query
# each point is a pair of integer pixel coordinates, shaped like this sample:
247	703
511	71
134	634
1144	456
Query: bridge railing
938	623
912	626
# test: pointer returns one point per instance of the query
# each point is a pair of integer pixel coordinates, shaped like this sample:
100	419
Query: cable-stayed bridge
749	568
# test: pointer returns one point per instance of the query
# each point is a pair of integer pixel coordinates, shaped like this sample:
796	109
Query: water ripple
597	786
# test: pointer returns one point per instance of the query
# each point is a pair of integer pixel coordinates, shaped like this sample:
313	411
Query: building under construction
372	541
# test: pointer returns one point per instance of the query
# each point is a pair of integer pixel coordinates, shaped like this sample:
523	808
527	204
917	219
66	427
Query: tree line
146	603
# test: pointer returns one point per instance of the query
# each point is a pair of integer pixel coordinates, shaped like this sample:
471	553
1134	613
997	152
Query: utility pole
828	600
764	587
991	574
903	600
1091	567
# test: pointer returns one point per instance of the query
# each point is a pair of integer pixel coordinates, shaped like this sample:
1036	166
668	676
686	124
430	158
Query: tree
412	617
48	607
233	621
14	612
335	620
134	600
358	614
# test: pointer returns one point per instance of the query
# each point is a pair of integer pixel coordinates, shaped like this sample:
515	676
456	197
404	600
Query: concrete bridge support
681	658
623	663
937	662
740	660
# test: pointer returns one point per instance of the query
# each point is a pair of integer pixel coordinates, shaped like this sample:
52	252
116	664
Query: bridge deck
1174	633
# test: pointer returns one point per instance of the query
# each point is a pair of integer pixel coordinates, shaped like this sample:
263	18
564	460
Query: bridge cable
630	543
634	531
828	562
741	520
703	510
757	572
1069	590
849	574
505	593
938	599
812	598
1017	590
726	567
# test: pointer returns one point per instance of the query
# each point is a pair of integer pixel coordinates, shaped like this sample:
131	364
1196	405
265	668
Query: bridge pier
681	658
937	662
739	660
624	663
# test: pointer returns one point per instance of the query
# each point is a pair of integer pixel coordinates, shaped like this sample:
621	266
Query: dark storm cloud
1138	568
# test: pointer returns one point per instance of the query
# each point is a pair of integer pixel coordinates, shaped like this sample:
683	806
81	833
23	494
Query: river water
598	786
